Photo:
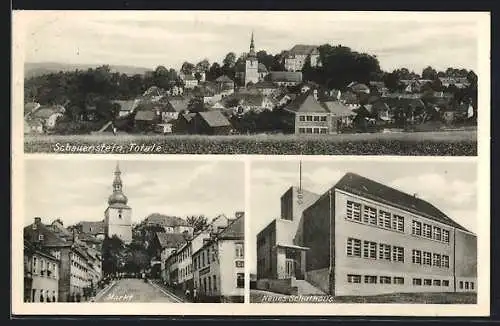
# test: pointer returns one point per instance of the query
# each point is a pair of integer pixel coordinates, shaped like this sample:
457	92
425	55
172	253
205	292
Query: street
135	290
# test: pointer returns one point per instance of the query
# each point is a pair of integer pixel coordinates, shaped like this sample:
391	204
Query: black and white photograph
364	232
133	231
231	82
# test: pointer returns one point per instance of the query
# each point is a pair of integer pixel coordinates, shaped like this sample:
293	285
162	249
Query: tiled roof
338	109
92	227
306	103
165	220
302	49
170	240
235	230
51	239
224	79
286	76
265	84
179	103
189	116
29	247
126	105
365	187
214	119
145	116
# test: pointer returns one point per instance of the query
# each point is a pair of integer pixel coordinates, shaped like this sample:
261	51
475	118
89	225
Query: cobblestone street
136	290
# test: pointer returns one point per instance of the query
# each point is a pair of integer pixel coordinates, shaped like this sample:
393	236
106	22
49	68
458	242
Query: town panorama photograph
249	82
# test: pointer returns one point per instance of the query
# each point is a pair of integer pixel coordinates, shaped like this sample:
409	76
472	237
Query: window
384	251
370	249
399	280
384	219
324	130
370	279
316	118
40	237
302	130
398	254
445	283
427	282
353	247
427	231
316	130
436	233
472	285
436	282
385	280
370	215
209	283
240	280
215	283
308	130
309	118
240	263
446	236
426	258
416	228
436	260
461	285
302	118
35	266
353	278
239	250
445	261
353	211
398	223
466	285
323	118
416	256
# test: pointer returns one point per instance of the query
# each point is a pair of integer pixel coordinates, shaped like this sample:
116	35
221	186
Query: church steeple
252	47
117	197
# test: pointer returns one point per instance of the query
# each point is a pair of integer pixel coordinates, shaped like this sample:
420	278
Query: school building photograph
388	231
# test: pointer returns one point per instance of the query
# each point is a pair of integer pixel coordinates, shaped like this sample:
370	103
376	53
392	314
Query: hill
34	69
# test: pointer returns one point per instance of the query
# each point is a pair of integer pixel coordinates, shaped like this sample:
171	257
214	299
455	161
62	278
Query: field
440	143
257	296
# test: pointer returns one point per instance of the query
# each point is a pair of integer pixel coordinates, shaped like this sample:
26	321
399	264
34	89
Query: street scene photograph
133	231
231	82
363	231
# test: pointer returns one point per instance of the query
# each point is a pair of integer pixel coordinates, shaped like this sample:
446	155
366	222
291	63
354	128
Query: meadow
439	143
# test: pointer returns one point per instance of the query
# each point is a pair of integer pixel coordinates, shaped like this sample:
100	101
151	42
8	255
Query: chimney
415	195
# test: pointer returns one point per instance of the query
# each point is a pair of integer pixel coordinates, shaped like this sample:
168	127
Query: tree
198	223
429	73
203	65
229	60
112	251
214	72
187	68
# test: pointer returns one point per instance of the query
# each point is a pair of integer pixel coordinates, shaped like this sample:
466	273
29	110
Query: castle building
363	238
118	215
251	65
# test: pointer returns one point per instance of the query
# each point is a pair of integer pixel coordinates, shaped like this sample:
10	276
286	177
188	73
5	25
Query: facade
218	266
306	115
118	216
364	238
41	275
210	123
298	55
77	269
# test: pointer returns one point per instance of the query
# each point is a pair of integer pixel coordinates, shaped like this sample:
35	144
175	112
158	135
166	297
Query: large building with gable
363	238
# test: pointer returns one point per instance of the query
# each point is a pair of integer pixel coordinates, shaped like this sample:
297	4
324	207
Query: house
33	127
218	265
210	123
266	88
459	82
176	105
286	78
340	114
74	277
225	85
91	228
350	99
145	120
183	124
381	241
126	107
358	88
297	55
306	115
41	274
48	115
190	81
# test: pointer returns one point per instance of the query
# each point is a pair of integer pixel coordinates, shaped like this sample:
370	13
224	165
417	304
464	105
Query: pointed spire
117	169
252	47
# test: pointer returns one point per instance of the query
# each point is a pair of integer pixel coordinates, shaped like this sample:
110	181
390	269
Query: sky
450	186
152	38
76	190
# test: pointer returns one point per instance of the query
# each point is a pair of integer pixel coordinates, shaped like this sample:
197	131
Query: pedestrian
187	293
195	295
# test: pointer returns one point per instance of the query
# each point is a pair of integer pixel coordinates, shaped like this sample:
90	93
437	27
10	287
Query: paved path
135	290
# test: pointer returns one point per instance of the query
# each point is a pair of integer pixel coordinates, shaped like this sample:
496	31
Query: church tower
118	216
252	65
